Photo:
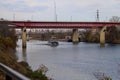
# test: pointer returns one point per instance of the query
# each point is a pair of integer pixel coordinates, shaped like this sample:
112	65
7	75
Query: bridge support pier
24	37
75	36
102	36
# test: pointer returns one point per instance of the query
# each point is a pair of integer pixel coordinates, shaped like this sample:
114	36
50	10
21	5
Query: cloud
78	9
22	6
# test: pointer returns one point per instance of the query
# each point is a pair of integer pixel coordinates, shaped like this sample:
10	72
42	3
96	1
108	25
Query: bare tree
7	33
4	28
115	19
113	33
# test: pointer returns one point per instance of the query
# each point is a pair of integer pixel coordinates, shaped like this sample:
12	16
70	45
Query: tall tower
95	29
97	18
55	12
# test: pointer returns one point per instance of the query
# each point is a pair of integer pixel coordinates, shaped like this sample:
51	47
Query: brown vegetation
8	45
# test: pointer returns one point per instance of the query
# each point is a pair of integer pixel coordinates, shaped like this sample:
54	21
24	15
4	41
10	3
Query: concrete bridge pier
75	36
102	36
24	37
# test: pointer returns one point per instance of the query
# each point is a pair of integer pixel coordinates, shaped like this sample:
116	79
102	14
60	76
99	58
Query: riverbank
8	58
116	41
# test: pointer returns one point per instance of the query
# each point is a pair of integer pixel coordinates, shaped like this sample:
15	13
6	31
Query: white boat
53	42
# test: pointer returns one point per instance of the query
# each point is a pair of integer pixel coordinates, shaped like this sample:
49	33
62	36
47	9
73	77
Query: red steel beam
30	24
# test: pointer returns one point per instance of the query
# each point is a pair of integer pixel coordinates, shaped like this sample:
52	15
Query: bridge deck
40	24
63	24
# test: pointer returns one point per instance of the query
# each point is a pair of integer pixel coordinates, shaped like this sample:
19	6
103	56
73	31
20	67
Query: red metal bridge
39	24
72	25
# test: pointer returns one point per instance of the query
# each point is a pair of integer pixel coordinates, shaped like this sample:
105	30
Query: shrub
8	42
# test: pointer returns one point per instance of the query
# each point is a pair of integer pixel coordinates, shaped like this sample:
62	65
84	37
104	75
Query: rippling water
72	62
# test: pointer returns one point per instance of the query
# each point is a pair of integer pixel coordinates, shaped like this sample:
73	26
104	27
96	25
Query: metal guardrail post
7	77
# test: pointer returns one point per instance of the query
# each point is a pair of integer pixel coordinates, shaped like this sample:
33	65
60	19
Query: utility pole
71	18
13	16
32	17
55	12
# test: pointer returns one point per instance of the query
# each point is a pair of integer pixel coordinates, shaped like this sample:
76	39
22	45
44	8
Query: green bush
35	75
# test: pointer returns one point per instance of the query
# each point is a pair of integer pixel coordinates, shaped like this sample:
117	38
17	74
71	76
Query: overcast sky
67	10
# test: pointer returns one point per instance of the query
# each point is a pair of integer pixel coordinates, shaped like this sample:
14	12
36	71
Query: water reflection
102	45
73	62
24	52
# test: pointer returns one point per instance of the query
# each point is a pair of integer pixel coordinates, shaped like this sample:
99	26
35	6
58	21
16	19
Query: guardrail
11	74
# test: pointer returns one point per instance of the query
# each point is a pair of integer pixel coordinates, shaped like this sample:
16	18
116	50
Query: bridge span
41	24
69	25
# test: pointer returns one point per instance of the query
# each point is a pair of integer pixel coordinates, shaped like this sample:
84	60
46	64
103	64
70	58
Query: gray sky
43	10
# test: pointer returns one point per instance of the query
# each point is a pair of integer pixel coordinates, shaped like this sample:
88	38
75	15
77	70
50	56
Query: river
72	62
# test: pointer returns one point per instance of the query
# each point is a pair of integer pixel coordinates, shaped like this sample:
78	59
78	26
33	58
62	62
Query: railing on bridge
11	74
